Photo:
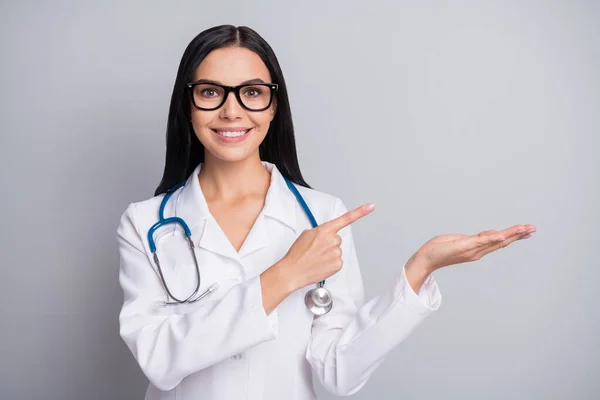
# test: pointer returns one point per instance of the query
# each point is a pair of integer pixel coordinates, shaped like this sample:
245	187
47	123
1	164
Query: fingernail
370	206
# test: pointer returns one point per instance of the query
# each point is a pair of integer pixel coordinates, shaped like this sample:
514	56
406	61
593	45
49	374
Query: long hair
185	151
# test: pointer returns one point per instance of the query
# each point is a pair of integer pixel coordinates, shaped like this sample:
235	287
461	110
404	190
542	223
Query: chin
233	155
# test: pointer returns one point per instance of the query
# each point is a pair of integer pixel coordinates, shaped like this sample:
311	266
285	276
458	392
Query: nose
232	108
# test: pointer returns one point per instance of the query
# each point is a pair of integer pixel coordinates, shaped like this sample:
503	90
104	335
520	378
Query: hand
445	250
316	254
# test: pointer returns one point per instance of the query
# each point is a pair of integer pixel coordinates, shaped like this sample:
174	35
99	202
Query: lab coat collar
280	202
191	205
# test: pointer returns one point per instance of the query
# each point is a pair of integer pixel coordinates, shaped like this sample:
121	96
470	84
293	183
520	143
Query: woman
231	173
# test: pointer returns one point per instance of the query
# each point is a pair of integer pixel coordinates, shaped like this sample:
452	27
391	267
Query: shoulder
325	206
138	216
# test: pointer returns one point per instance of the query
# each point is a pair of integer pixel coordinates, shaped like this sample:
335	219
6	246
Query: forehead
232	65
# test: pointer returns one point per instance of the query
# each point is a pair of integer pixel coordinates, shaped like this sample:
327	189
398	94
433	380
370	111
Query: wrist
419	262
416	271
274	286
280	273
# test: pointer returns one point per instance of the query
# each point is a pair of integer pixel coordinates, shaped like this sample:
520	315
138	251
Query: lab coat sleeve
169	346
351	341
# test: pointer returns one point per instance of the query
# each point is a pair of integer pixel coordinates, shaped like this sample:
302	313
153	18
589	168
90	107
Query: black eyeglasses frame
228	89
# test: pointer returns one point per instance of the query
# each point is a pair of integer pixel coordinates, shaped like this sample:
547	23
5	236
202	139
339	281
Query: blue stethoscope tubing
162	221
317	300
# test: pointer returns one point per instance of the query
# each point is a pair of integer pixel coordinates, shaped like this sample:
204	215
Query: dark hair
185	151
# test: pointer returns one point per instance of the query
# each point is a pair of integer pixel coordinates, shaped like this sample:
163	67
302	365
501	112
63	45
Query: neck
230	181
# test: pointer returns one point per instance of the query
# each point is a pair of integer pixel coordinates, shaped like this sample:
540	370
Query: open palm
444	250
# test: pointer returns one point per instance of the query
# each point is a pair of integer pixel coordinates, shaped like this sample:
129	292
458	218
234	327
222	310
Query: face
217	129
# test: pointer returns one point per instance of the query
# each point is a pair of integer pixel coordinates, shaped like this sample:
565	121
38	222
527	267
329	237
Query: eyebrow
249	81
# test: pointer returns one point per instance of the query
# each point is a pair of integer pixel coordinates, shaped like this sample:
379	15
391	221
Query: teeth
232	134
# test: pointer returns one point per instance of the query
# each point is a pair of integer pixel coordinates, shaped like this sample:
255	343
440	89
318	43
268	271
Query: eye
208	91
211	92
252	91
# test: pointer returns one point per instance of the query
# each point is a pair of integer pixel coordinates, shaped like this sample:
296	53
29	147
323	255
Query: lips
232	135
232	132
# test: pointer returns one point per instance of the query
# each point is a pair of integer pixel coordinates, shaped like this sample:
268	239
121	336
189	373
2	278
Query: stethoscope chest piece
318	300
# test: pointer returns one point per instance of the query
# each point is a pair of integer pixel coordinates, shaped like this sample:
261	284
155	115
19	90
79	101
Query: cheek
202	117
200	121
262	121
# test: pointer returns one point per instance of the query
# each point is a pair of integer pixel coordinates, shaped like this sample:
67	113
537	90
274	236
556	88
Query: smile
235	133
231	135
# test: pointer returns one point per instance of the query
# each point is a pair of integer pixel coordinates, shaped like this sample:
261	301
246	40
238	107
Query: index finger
346	219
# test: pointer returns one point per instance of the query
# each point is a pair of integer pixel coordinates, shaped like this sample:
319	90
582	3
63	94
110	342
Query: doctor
252	251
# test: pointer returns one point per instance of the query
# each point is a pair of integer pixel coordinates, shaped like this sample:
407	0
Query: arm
351	341
169	346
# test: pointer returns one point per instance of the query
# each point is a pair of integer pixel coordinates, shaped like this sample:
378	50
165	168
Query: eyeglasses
208	96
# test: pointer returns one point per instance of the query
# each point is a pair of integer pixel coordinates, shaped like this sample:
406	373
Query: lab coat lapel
214	239
206	232
257	238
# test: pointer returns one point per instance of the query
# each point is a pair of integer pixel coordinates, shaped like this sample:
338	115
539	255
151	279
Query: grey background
451	117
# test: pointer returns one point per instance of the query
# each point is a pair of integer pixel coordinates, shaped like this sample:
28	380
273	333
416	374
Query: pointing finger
351	216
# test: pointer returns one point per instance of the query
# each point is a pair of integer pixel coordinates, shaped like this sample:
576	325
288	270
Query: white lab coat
225	346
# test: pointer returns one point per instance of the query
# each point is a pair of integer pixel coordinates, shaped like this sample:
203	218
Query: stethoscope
318	300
